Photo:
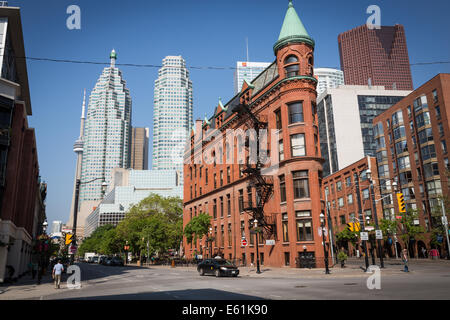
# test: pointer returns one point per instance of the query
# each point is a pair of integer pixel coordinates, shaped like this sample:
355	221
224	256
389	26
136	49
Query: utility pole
361	219
330	226
374	205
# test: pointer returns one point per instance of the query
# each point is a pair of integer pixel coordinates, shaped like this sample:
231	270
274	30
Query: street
427	280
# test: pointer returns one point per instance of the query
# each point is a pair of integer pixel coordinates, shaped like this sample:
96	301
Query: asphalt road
426	281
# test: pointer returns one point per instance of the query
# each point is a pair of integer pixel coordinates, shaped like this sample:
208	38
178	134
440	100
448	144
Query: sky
207	33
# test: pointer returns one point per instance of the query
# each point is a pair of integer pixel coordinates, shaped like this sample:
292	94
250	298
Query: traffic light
354	226
401	203
69	238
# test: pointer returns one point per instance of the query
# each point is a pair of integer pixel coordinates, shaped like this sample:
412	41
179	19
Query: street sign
353	226
73	249
379	234
244	242
444	220
270	242
370	228
364	236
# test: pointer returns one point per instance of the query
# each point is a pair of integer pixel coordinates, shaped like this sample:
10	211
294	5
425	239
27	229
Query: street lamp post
210	242
255	224
361	219
325	253
75	207
372	193
372	245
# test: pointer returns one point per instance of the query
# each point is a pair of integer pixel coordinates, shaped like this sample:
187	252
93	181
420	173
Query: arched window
291	66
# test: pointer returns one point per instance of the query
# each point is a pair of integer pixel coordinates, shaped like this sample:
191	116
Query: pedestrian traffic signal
354	226
68	238
401	203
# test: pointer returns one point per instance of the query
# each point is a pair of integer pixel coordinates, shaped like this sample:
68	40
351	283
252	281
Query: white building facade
172	114
345	122
128	188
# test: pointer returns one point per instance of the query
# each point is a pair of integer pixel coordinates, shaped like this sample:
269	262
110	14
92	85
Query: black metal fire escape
262	184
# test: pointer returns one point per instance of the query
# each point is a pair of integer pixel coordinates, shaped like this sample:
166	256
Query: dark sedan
218	267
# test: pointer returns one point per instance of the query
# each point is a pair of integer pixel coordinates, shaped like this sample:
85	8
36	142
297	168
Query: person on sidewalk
57	271
405	259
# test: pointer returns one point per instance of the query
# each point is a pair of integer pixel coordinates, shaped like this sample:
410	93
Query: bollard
173	263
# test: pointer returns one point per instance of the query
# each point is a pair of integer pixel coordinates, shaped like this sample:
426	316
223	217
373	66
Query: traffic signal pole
380	250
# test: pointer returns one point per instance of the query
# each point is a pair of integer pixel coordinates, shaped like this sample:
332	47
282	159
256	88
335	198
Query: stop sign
243	242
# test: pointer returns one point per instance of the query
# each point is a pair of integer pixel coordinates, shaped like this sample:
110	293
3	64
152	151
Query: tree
409	230
197	227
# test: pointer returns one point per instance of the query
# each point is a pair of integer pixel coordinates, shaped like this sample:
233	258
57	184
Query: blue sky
205	33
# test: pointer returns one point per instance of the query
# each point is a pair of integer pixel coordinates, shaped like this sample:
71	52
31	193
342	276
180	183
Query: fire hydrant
173	263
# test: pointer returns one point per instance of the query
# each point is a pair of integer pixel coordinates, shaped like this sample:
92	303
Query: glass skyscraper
248	71
107	131
172	114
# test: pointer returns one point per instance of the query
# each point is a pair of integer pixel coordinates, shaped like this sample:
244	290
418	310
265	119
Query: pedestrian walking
57	271
405	259
34	269
424	252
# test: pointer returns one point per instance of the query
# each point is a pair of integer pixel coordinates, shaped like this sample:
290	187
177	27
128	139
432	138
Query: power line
191	67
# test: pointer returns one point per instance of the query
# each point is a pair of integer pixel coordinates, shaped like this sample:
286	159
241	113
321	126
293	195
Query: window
241	200
339	186
444	146
425	135
348	181
278	119
428	152
435	96
228	175
215	209
438	112
342	219
249	196
403	163
242	229
301	184
341	202
228	205
282	189
365	193
206	176
423	119
298	145
286	258
397	118
221	178
222	236
291	66
285	227
295	112
434	187
280	150
229	235
350	198
221	207
304	226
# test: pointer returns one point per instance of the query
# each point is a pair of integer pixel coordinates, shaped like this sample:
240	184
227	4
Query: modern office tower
328	79
139	148
345	122
249	71
127	188
56	230
376	57
107	136
172	114
290	216
413	138
78	149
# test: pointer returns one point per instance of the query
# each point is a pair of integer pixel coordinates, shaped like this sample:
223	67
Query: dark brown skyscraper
139	148
380	55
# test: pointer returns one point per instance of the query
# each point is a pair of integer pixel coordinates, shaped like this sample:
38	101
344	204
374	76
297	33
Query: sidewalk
27	288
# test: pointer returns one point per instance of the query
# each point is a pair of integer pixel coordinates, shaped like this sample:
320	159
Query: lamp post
255	225
371	243
361	219
375	217
325	253
210	242
394	185
75	207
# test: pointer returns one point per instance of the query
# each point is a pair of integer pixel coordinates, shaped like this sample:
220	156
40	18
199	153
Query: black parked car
218	267
117	261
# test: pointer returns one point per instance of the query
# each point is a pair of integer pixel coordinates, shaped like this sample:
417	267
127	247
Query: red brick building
282	98
380	55
340	191
22	195
413	138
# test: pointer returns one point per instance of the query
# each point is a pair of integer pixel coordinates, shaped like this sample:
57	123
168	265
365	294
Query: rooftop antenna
246	41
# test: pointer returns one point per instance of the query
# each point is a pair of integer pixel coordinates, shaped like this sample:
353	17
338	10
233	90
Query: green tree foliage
197	227
408	229
94	243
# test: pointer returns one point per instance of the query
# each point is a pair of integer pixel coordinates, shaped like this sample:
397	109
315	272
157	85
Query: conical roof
292	30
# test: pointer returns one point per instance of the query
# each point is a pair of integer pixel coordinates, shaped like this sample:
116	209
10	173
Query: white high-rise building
247	70
172	114
328	79
107	137
345	122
